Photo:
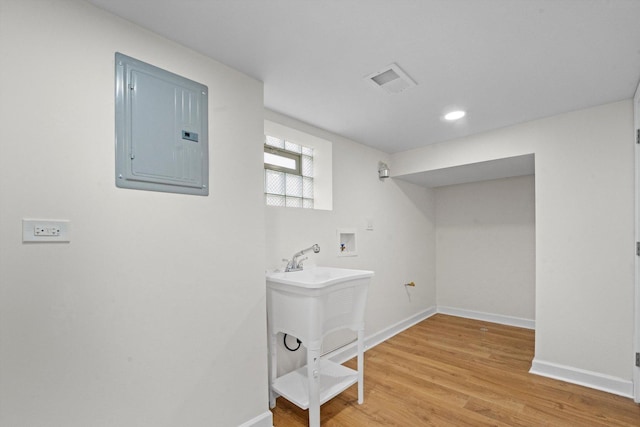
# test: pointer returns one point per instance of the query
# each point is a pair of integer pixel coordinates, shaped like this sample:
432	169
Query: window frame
297	157
283	127
302	200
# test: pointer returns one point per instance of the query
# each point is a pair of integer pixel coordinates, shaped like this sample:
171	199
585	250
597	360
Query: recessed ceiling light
454	115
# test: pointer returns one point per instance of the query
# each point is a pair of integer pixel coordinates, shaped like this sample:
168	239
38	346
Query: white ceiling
504	61
473	172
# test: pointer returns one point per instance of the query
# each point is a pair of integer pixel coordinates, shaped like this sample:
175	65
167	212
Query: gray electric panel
161	130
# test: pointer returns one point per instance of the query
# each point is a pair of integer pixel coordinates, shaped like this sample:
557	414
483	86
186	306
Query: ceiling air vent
391	79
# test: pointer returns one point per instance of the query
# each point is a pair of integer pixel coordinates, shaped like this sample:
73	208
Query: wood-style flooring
450	371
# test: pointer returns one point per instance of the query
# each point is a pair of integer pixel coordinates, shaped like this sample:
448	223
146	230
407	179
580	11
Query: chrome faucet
295	264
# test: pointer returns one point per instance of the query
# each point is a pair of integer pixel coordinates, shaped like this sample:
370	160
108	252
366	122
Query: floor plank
450	371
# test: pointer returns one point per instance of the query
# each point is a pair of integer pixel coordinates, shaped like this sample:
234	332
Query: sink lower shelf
334	379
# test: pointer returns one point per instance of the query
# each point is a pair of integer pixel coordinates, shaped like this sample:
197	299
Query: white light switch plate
45	230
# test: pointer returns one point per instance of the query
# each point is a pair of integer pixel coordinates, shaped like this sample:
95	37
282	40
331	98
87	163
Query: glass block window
288	174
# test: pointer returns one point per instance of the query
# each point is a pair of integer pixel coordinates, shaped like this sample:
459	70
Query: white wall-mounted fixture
347	242
383	170
391	79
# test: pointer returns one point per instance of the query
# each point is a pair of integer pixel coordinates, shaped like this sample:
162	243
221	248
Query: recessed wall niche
347	242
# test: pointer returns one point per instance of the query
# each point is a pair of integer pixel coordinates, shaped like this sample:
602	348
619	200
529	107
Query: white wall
485	247
584	229
400	249
154	314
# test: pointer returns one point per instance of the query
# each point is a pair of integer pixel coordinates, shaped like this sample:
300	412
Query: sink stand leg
273	368
360	366
313	374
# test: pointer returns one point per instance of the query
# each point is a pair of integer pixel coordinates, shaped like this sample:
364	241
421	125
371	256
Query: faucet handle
290	265
301	261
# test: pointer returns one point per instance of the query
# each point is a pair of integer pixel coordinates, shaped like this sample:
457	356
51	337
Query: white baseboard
582	377
263	420
349	351
488	317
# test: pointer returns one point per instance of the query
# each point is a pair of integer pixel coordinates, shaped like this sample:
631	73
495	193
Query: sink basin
318	277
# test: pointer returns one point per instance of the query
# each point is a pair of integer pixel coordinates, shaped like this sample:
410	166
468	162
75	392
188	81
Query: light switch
45	230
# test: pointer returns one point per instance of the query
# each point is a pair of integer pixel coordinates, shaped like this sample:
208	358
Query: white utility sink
308	304
318	277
